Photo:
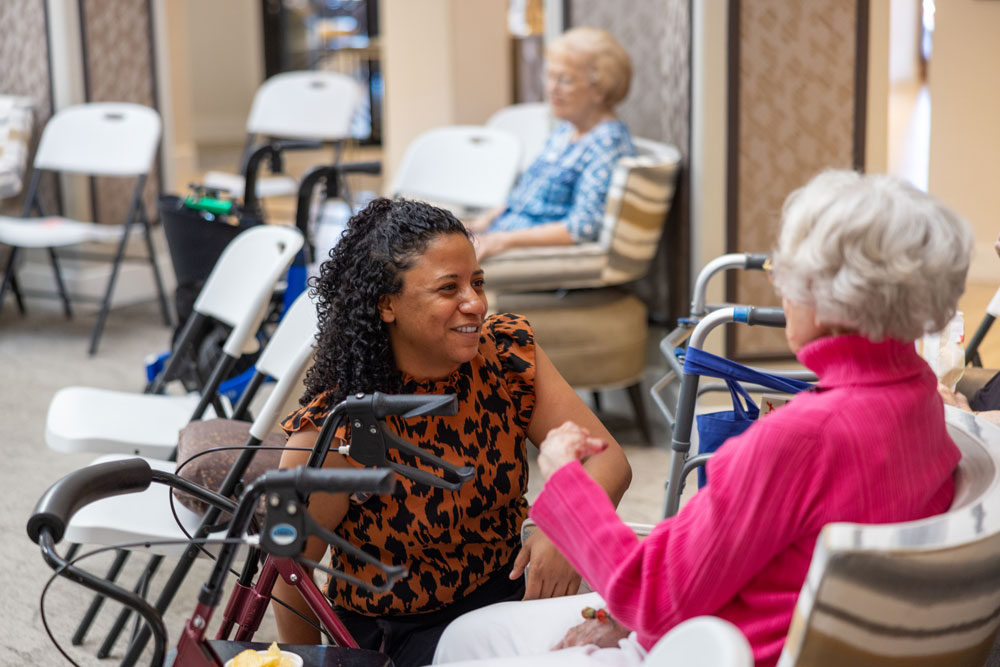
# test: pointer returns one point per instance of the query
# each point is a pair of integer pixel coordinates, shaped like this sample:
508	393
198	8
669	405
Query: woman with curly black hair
402	309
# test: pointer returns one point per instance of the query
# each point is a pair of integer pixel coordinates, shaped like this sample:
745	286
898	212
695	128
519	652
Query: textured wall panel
657	35
119	68
25	71
796	118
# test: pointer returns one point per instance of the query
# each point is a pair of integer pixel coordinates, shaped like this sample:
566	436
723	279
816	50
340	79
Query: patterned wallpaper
796	117
119	68
25	71
657	35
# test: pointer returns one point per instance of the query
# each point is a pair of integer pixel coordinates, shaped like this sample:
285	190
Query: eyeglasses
562	80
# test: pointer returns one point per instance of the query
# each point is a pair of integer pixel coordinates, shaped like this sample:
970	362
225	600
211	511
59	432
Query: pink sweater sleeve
695	562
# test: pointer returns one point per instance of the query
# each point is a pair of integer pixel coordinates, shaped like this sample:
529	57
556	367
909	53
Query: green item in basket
210	204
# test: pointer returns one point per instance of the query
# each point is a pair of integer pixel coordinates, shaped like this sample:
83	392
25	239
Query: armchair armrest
547	268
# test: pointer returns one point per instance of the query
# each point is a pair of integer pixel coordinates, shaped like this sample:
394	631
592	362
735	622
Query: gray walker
693	331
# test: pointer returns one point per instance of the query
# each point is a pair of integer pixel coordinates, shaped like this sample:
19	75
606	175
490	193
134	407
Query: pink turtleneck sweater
868	446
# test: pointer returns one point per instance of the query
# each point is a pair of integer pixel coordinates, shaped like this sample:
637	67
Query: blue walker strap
700	362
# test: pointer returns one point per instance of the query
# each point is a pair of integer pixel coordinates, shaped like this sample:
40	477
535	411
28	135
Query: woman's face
570	92
801	325
434	321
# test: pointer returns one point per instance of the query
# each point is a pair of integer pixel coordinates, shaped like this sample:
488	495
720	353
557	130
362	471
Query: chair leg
63	294
15	287
141	587
168	320
10	280
95	605
635	396
596	395
106	303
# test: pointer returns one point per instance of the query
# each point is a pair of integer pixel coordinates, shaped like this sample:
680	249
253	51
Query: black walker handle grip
756	261
768	316
307	480
414	405
82	487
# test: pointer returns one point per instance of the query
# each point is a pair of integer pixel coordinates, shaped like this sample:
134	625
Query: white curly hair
872	254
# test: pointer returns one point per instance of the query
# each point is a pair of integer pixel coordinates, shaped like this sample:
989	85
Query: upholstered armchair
576	297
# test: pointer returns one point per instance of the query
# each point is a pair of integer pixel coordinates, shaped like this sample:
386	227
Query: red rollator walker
276	550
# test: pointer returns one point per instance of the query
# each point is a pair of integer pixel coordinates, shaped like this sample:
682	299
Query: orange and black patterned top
450	541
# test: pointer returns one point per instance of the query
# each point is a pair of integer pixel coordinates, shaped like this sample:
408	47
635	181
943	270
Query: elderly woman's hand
603	634
565	444
490	244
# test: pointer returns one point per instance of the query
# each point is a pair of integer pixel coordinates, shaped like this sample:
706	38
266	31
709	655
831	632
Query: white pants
523	633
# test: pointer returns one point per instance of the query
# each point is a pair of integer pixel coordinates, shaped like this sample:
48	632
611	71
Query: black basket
195	238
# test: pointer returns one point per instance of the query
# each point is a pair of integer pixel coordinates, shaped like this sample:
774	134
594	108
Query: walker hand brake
369	440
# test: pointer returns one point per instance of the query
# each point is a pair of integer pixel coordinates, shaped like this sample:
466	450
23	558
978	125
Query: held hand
550	574
953	398
593	631
565	444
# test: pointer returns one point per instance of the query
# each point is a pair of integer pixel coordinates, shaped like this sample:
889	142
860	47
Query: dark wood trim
861	83
271	29
679	292
85	60
732	156
56	186
567	14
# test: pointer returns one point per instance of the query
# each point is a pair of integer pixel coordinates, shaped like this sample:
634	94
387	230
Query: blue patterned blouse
568	182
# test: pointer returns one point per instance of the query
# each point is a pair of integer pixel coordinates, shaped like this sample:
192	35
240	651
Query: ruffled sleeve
312	414
515	349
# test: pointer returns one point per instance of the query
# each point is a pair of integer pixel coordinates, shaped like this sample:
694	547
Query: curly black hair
381	242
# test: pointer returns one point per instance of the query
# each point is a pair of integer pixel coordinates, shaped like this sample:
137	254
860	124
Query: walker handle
408	406
756	261
82	487
768	316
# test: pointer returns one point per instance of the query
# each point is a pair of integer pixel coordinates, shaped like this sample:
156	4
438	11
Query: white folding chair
314	106
147	518
237	294
530	122
100	139
460	166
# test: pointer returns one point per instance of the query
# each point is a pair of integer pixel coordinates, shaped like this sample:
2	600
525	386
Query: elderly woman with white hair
559	199
864	265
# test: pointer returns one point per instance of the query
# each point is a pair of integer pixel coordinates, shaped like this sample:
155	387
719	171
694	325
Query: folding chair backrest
916	593
305	105
240	286
531	122
285	358
462	165
102	138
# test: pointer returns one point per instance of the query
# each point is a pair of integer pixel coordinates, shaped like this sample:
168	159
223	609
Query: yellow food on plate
272	657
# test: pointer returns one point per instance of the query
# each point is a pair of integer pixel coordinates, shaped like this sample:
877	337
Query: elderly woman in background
865	265
559	199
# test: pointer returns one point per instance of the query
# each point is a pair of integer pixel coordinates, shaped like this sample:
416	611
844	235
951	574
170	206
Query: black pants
411	640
